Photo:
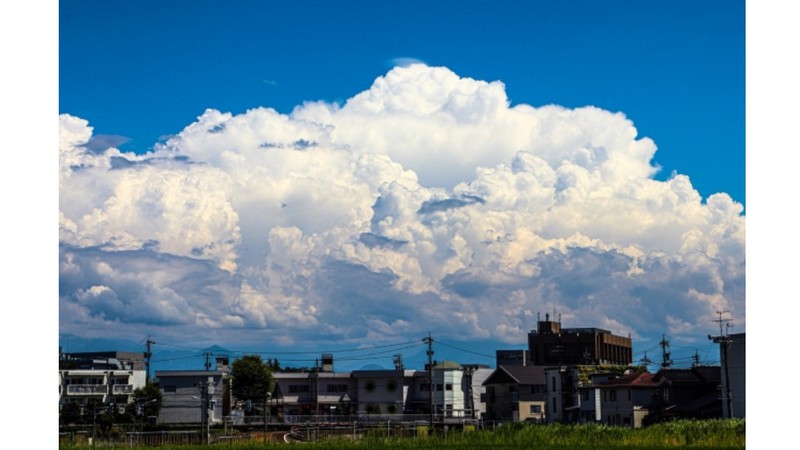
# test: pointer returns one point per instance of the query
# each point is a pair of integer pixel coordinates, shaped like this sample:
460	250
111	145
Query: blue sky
302	173
143	70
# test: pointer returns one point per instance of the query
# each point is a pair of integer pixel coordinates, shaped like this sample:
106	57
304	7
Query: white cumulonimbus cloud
424	201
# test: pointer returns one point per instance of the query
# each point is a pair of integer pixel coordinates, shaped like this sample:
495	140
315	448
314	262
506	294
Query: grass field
711	434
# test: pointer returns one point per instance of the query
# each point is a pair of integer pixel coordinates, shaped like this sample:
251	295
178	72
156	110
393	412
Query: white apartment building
105	386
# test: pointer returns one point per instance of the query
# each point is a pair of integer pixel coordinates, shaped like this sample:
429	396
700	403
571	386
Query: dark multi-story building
512	357
110	360
551	345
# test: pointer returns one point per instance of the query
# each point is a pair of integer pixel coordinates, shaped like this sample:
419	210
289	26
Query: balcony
87	389
122	389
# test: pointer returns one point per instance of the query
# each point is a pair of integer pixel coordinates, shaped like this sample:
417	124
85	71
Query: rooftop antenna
721	321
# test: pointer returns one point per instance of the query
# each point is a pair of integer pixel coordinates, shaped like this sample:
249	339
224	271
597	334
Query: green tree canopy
149	397
252	378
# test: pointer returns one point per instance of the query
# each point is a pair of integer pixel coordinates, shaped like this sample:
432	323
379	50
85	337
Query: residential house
590	397
561	393
515	393
624	400
381	392
686	393
474	376
314	393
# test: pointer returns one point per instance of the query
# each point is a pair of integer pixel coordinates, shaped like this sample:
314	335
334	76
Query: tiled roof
522	375
698	374
643	379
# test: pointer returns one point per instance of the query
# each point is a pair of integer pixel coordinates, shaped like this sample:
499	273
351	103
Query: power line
310	352
466	351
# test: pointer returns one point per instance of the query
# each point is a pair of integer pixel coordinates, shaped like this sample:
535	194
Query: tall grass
727	434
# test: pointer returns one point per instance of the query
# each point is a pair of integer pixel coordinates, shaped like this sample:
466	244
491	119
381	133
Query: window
629	394
554	384
448	387
170	388
425	387
537	388
333	388
536	409
554	405
585	395
369	386
298	388
512	388
438	387
391	386
612	395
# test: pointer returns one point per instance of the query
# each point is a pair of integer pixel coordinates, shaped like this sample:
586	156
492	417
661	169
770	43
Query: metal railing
289	419
87	389
123	389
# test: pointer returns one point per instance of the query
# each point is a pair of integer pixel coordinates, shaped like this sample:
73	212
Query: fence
157	438
287	419
303	428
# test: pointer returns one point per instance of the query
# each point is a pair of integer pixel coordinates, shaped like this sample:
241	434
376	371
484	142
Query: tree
252	378
274	365
144	397
70	413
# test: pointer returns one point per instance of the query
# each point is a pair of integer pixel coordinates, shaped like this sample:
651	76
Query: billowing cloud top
425	202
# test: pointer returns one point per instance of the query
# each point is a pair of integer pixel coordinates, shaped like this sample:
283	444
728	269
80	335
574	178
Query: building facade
191	396
735	377
561	392
590	398
515	393
512	357
624	400
552	345
108	387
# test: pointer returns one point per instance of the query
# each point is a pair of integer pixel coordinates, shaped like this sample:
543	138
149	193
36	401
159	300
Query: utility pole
206	390
147	356
316	390
695	359
429	341
665	361
645	360
208	360
724	342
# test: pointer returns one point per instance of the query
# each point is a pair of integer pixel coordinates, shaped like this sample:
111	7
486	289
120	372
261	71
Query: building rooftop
634	380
